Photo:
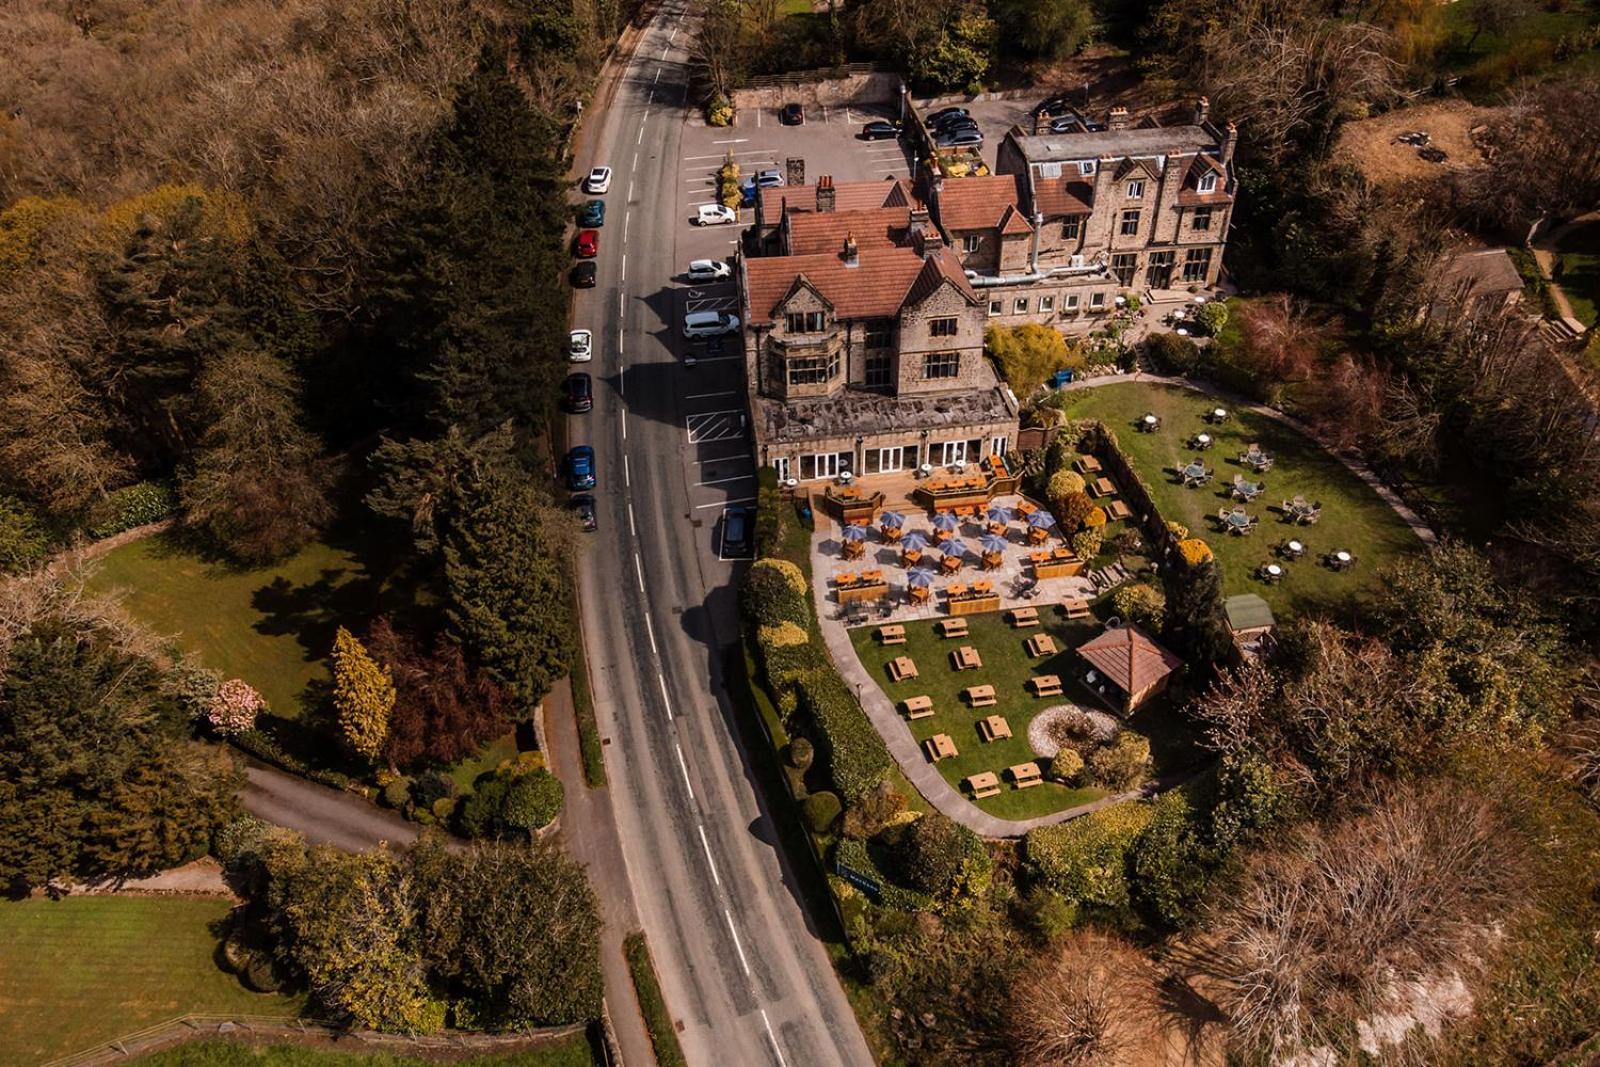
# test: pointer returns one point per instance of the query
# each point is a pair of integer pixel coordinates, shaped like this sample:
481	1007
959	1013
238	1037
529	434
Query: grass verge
594	761
657	1019
571	1051
84	970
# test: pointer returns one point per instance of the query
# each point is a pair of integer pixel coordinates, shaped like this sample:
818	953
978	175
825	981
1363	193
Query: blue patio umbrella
892	519
992	543
855	533
1041	520
954	547
914	539
999	514
920	579
947	521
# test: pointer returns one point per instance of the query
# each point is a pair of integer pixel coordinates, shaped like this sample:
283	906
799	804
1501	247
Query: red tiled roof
937	269
977	203
847	196
873	288
879	228
1189	195
1012	222
1130	658
1062	196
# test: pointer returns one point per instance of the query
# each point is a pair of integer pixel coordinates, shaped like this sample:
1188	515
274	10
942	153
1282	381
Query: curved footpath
897	735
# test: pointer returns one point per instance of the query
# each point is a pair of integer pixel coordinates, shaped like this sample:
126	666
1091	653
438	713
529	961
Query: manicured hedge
856	757
854	854
133	505
1085	859
769	512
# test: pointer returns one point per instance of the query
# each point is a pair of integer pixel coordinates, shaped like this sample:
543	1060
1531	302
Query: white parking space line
708	396
725	503
722	155
725	481
715	425
734	140
716	359
710	303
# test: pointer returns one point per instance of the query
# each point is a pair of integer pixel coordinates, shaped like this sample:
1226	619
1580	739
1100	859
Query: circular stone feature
1101	728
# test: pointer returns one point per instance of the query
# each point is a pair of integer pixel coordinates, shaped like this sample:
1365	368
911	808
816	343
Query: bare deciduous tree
1092	1007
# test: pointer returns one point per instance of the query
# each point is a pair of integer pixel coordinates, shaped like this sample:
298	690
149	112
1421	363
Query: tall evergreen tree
363	695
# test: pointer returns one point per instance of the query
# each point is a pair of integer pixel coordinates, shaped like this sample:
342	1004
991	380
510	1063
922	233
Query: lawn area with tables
1007	666
1354	518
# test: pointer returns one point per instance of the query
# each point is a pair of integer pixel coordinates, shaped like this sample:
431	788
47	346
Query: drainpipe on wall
1033	251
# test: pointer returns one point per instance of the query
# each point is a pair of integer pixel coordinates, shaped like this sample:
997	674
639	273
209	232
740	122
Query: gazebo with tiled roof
1131	660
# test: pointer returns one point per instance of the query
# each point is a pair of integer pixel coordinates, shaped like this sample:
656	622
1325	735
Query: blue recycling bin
1062	378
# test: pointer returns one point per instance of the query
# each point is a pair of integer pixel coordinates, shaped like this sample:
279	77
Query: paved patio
1014	574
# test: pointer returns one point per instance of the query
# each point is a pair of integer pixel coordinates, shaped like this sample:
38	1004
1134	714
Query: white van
709	323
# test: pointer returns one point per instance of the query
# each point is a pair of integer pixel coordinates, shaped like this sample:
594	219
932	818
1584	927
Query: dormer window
1086	168
804	322
1136	189
1208	183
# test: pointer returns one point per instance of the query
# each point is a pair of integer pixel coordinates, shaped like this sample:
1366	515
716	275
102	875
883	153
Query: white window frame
1086	167
949	452
781	465
874	459
1072	302
996	307
1019	306
998	444
971	243
1136	189
1208	182
1047	303
826	465
1097	301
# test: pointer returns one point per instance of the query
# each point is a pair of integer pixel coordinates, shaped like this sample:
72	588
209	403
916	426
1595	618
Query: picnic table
1217	415
1292	549
984	784
1149	422
901	668
1087	465
911	557
1026	508
980	696
892	635
952	627
1025	775
993	561
1270	573
1038	535
1117	510
1195	474
1020	618
966	658
1040	645
1076	608
1341	560
994	728
938	747
1201	441
950	564
1045	685
918	707
1103	487
919	593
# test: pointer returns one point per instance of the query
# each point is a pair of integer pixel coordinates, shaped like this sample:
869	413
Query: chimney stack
1117	119
1202	108
925	239
1229	143
850	255
825	194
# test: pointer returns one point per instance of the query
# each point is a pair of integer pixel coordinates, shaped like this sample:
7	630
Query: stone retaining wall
820	88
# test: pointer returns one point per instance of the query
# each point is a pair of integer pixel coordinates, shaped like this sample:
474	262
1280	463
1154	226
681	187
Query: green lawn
271	626
1580	270
1006	666
1354	518
84	970
566	1052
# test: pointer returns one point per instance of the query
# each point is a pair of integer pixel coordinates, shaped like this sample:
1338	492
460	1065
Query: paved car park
994	118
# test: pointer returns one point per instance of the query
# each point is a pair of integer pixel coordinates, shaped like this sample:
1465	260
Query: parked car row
577	392
954	127
591	216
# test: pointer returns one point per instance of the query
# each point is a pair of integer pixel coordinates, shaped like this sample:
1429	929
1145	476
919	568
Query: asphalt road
744	973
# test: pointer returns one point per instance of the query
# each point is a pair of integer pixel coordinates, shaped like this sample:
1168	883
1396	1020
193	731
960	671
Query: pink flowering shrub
235	707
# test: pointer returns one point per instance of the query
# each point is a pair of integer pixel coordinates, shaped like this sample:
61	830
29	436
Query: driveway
325	816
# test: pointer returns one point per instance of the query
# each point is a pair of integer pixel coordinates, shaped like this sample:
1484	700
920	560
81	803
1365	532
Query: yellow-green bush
1084	860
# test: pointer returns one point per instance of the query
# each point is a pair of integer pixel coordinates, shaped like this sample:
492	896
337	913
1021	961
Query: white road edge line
726	914
638	570
658	70
715	877
631	529
776	1051
684	767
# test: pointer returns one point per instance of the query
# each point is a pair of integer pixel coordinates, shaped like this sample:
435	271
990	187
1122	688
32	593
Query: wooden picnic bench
938	747
1103	487
1087	465
1076	608
1045	685
1117	510
1041	645
966	658
919	707
892	635
980	696
1025	775
994	728
983	785
1022	618
901	668
952	627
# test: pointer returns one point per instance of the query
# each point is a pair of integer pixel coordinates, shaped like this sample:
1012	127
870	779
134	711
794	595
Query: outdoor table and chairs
911	557
1024	775
993	561
1270	573
1022	618
1038	535
918	707
1087	465
1102	487
919	594
983	785
1291	549
1149	422
1217	415
1057	563
1201	441
1195	475
952	627
983	588
980	696
966	658
1341	560
938	747
892	635
854	549
994	728
950	563
1247	491
1076	608
1237	521
1045	685
1026	508
1040	645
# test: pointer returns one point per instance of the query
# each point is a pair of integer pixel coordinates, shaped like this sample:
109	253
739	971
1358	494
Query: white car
580	346
708	270
716	215
709	323
598	180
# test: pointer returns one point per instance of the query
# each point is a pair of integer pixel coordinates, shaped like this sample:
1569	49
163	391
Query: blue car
593	214
580	468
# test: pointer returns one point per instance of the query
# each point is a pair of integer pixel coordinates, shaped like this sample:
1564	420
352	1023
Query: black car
736	530
880	131
792	115
579	393
944	114
584	507
583	275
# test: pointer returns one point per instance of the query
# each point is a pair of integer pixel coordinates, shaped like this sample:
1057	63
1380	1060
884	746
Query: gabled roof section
978	203
1129	657
937	270
1129	165
897	196
801	282
1013	223
874	288
810	233
1062	196
847	196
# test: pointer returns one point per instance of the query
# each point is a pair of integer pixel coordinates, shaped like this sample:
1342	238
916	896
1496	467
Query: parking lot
994	118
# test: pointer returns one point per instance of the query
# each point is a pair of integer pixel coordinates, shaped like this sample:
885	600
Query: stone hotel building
865	303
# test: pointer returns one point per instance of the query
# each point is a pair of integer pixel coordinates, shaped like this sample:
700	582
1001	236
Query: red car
588	244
